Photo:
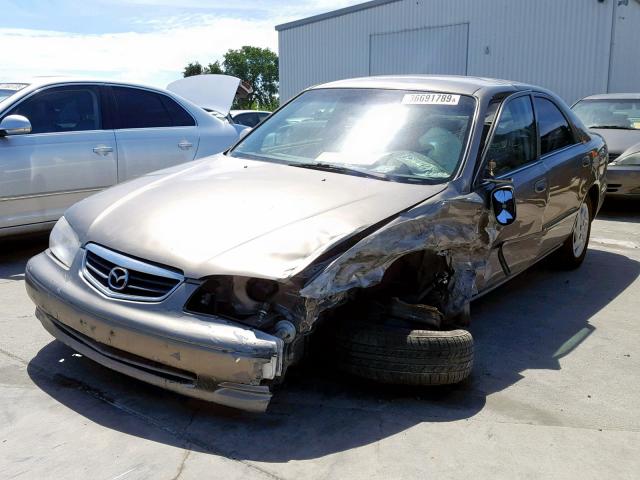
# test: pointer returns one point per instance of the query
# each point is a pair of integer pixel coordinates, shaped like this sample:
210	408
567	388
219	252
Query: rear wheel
572	253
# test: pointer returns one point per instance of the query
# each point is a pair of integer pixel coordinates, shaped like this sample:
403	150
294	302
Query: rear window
247	119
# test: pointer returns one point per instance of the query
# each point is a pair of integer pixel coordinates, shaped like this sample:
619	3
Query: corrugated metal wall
625	58
403	52
564	45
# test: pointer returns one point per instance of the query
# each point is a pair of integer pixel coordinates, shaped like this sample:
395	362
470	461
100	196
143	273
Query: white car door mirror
14	125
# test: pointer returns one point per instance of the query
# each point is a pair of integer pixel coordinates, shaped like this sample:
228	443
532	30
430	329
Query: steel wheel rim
581	230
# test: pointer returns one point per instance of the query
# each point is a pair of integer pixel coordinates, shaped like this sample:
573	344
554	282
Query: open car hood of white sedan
215	92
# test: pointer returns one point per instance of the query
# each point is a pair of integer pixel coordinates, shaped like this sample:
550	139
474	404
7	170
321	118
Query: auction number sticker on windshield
428	98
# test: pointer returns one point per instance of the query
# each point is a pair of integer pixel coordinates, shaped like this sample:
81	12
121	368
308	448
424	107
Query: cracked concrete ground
554	394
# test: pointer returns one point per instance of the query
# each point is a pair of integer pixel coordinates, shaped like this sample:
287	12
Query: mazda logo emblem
118	279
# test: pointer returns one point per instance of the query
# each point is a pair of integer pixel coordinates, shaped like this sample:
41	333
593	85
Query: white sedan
63	139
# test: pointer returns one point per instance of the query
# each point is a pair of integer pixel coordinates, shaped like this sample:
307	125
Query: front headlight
629	160
63	242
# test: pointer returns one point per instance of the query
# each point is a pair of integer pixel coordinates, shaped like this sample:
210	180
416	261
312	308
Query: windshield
615	114
386	134
8	89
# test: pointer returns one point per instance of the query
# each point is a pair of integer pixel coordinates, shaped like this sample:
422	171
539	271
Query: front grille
119	276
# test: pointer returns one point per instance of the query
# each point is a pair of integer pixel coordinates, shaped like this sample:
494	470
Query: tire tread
403	355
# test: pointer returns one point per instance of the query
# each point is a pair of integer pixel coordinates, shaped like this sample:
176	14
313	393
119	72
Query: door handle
184	145
102	150
540	186
586	161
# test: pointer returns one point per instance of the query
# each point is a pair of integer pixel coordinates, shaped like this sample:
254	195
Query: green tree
194	68
256	66
214	67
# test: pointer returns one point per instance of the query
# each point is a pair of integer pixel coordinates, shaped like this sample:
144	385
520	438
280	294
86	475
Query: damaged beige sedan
372	211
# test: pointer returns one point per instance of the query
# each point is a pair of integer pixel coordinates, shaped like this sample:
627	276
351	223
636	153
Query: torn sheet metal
459	227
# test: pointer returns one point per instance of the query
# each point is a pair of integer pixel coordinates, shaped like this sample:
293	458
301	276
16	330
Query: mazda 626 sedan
367	213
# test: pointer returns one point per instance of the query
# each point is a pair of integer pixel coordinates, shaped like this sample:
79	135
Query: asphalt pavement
555	393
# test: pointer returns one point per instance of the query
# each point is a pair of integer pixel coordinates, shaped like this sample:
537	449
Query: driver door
512	156
67	156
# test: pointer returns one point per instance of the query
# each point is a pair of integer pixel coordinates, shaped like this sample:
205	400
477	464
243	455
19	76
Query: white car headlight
633	159
63	242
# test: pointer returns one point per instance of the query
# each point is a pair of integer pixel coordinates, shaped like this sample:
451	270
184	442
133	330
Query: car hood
635	148
224	215
215	92
618	140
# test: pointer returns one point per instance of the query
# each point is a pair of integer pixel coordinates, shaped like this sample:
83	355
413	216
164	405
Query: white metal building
573	47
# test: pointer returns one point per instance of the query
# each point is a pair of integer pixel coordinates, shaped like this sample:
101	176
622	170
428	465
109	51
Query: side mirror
503	204
14	125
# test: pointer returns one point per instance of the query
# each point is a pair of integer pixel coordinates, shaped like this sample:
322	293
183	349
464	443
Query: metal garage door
434	50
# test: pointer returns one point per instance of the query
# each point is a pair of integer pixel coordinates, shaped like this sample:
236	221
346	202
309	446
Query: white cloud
154	57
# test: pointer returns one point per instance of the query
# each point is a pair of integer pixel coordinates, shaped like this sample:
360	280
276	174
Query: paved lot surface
555	394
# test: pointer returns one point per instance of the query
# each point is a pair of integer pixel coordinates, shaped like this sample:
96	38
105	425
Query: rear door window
555	132
62	109
139	108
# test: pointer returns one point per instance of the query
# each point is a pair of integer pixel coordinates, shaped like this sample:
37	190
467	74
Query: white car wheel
581	230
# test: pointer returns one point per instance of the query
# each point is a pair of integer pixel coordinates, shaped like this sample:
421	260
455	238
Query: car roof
614	96
43	81
36	83
463	85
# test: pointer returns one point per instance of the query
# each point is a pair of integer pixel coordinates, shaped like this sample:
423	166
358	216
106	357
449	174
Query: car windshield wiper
330	167
612	127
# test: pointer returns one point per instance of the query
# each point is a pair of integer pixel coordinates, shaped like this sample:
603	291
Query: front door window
65	109
514	142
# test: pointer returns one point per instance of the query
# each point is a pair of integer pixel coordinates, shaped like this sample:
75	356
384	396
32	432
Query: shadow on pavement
543	315
530	323
620	210
16	251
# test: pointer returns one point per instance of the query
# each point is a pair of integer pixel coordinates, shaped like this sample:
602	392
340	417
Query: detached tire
402	354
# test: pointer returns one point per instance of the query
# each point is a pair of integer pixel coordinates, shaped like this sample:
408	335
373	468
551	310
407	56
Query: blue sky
146	41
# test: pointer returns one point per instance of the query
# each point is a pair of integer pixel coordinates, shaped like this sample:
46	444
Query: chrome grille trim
147	282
